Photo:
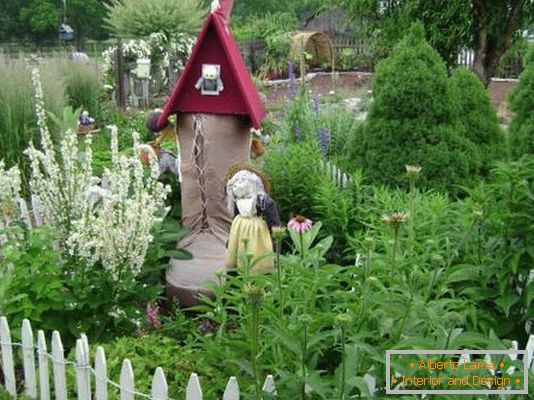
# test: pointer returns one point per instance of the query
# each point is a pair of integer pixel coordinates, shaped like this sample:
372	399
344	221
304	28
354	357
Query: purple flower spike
324	140
292	89
316	105
298	133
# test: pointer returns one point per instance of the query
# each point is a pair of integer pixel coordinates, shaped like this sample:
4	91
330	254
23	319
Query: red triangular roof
216	45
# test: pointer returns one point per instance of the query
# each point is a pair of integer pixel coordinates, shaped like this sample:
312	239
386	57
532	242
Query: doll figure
85	119
210	82
254	213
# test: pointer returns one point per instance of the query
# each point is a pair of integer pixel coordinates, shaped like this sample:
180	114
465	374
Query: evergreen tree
412	120
522	103
476	114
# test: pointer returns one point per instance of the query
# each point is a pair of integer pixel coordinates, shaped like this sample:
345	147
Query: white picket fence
37	377
339	177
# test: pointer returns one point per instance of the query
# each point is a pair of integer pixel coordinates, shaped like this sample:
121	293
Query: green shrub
293	169
273	30
475	112
139	18
31	281
507	228
411	120
146	353
522	103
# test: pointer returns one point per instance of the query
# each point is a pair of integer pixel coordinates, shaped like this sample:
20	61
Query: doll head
210	72
244	180
243	185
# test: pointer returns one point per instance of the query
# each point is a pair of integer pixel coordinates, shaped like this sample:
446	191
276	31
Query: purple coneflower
300	224
324	140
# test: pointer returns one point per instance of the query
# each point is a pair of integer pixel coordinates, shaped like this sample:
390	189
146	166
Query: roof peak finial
222	8
215	5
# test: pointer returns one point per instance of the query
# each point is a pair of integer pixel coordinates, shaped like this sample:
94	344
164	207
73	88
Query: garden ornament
254	214
85	119
210	82
167	160
213	133
86	124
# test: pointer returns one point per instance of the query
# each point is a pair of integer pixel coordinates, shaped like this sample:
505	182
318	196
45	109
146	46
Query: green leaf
178	254
506	301
169	237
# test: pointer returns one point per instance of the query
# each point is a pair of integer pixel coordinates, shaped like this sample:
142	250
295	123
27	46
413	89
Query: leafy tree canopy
487	26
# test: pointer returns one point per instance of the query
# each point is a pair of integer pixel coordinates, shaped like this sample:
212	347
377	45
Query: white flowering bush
101	233
10	194
92	214
114	230
164	52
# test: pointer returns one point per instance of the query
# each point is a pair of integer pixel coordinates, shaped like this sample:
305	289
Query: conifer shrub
412	121
522	103
473	108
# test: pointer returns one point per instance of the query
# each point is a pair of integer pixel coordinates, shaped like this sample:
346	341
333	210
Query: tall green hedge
473	108
413	121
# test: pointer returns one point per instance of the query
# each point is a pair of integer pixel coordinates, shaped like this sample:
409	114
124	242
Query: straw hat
243	165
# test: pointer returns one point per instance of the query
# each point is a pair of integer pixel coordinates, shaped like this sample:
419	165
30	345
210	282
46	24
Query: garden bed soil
321	84
350	82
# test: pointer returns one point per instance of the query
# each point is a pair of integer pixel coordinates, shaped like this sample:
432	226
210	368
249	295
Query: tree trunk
491	46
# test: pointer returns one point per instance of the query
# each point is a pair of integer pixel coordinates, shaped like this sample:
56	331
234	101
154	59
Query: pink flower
152	316
300	224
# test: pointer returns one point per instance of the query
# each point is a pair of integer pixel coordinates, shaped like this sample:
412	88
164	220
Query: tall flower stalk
293	86
413	172
278	235
395	221
255	296
343	321
305	320
369	244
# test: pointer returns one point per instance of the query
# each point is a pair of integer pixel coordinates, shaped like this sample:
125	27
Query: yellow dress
259	244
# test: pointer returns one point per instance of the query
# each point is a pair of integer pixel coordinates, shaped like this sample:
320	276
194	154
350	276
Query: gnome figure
216	104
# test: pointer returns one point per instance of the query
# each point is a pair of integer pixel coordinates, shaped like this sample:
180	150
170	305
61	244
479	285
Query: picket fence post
127	381
83	387
370	381
160	389
85	342
28	359
44	379
101	372
530	349
339	177
269	387
193	390
232	390
58	367
7	357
